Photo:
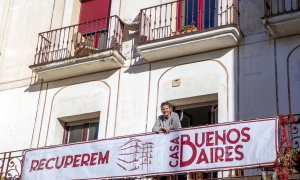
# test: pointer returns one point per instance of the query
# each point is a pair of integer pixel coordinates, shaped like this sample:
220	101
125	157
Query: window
78	131
201	13
197	115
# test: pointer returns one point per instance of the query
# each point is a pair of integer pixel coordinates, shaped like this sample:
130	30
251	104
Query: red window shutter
200	18
93	10
179	15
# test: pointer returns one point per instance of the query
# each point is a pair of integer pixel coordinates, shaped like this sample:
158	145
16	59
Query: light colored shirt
173	122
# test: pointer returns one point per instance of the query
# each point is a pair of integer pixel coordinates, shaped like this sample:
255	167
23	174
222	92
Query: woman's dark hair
165	104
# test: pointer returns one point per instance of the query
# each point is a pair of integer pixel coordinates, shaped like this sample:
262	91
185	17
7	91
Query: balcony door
200	13
198	115
94	33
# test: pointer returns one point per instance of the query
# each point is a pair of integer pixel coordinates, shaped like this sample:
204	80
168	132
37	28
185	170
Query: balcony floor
105	60
190	43
282	25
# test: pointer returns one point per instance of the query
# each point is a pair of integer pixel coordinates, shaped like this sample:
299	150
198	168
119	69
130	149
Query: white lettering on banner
220	146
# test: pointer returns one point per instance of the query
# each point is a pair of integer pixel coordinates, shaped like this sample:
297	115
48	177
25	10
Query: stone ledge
102	61
190	43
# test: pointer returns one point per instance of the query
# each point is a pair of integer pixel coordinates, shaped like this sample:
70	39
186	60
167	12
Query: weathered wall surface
24	21
17	117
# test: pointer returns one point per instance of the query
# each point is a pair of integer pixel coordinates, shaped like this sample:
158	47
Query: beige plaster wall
17	117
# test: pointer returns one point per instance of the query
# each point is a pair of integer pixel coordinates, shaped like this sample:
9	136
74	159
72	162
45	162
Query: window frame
213	113
85	130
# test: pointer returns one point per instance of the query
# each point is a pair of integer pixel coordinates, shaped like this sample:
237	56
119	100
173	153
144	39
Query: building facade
80	70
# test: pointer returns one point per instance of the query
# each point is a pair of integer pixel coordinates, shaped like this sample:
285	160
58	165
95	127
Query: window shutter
93	10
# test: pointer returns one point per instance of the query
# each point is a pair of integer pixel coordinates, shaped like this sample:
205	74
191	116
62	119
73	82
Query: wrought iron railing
184	16
79	40
288	154
275	7
11	164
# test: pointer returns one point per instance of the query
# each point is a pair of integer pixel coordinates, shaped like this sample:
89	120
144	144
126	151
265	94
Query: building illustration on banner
82	83
135	154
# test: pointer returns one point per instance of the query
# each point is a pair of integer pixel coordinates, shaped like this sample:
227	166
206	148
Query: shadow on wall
293	77
165	63
35	84
132	33
254	9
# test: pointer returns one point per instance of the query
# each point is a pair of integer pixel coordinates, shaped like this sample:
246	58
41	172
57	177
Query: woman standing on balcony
167	121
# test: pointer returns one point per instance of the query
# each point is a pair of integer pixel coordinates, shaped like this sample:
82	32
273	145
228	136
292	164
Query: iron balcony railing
79	40
11	164
184	16
275	7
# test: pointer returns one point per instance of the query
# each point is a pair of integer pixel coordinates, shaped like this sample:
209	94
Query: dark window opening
78	132
198	115
95	40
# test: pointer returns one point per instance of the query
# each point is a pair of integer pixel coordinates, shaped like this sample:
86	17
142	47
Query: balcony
79	49
282	17
188	27
125	157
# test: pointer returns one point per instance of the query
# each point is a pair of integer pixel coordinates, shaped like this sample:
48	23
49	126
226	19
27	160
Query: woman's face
166	110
